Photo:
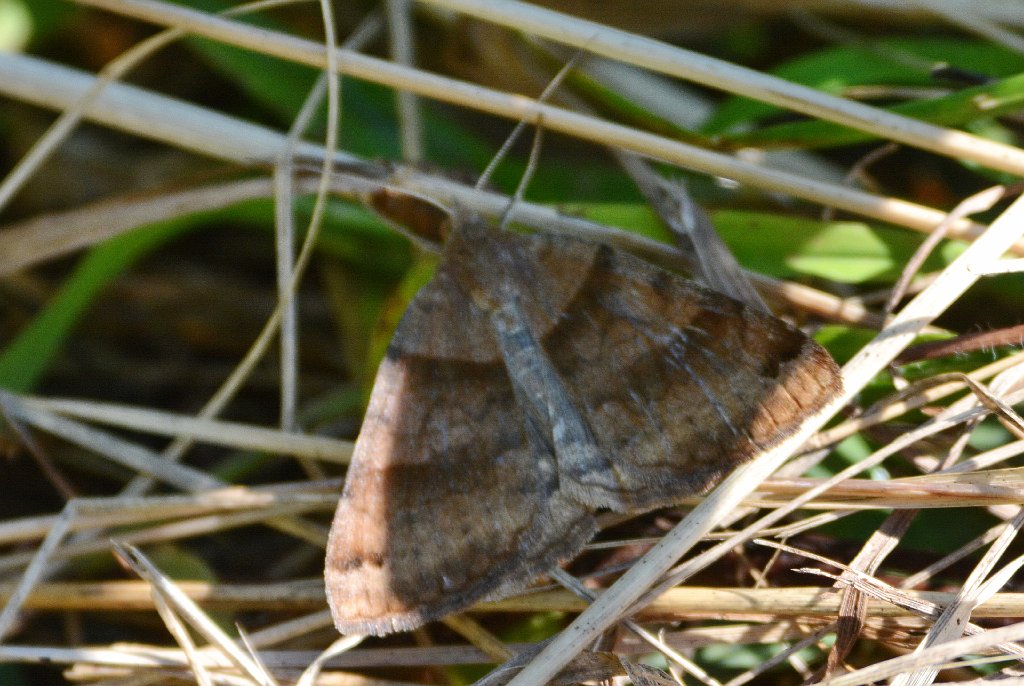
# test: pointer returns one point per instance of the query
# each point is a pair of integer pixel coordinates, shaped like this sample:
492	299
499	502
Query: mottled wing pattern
680	383
445	501
450	497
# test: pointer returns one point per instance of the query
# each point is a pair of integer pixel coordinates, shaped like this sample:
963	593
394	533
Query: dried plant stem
972	23
857	577
127	107
952	558
798	615
167	592
205	430
752	604
525	109
141	460
956	615
96	513
51	235
946	653
125	453
177	530
472	631
207	132
574	585
402	45
188	126
902	405
675	61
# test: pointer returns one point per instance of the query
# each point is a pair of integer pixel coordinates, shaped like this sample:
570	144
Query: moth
536	380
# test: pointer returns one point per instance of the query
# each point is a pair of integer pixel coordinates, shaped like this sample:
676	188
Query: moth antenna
502	153
531	167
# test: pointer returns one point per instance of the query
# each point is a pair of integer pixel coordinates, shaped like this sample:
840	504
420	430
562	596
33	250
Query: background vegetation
120	285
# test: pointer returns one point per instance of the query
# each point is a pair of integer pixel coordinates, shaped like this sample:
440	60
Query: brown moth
535	380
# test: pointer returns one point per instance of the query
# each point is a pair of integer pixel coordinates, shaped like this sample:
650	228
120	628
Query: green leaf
957	109
16	25
843	342
844	251
939	530
278	85
790	247
29	355
900	61
49	17
615	106
634	217
729	656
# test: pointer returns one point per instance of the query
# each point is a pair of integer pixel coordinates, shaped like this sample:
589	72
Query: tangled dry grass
760	566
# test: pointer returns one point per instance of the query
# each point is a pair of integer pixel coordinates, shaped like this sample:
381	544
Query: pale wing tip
379	625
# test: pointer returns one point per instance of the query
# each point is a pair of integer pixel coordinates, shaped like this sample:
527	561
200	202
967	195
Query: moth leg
553	418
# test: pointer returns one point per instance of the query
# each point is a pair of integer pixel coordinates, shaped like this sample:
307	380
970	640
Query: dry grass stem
755	604
953	620
477	635
122	510
1005	266
631	602
179	530
978	24
869	585
944	654
671	60
169	594
519	108
910	399
203	430
688	666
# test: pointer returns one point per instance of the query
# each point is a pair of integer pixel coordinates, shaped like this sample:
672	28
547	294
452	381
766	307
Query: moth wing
446	501
678	383
449	499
